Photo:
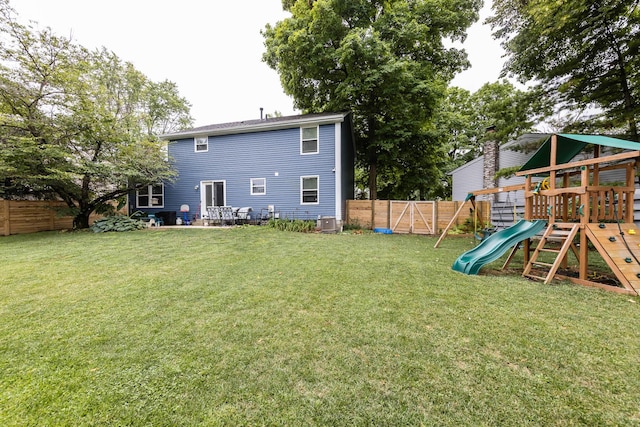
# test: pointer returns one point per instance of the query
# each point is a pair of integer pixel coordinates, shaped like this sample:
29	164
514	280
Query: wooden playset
579	210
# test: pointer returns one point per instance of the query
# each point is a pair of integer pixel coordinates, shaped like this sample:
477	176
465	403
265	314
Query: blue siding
237	158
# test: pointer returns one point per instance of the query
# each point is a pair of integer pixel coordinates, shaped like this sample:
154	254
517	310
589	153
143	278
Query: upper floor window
309	189
201	144
258	186
150	196
309	140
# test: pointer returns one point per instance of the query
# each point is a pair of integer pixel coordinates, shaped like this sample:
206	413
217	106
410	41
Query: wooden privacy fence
30	216
417	217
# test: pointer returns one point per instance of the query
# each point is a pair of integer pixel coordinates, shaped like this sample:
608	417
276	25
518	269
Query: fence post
346	214
435	217
387	224
7	222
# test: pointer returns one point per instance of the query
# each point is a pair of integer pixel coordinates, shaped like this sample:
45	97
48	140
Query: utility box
328	224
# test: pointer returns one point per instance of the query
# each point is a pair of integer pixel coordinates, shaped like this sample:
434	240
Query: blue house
295	167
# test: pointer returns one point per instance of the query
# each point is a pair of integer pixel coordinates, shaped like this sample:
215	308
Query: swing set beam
472	198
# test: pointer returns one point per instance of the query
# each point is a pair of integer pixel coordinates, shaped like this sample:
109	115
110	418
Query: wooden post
434	217
7	219
453	220
388	213
630	196
346	213
552	178
565	198
528	199
584	220
596	167
528	215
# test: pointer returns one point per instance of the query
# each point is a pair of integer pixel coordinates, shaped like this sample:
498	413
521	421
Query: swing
506	205
484	233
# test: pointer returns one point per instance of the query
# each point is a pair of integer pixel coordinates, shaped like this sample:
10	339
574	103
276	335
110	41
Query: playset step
563	233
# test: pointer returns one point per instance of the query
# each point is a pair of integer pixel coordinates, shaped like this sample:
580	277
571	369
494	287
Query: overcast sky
211	49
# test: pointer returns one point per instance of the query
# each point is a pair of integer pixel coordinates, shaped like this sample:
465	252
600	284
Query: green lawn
251	326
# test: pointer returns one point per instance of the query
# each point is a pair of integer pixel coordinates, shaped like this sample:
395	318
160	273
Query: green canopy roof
570	145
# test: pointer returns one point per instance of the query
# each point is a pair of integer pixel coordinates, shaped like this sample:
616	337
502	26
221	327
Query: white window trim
203	190
150	196
302	178
251	187
302	153
195	144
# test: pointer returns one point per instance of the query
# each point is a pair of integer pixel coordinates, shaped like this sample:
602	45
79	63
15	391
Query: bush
353	224
298	225
117	223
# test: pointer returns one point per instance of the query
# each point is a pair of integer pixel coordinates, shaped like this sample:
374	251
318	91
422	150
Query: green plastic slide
496	245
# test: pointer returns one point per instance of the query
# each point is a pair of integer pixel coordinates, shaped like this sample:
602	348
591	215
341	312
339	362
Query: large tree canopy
77	124
383	60
463	118
583	52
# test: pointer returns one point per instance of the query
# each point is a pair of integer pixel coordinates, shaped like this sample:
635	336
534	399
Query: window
151	196
309	140
309	189
201	144
258	186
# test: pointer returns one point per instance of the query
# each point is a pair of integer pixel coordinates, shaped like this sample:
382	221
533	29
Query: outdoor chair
214	215
227	217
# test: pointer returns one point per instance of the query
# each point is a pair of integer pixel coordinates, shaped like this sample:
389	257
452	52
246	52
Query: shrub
298	225
353	224
117	223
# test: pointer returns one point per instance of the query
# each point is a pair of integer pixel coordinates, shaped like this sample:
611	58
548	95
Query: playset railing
601	204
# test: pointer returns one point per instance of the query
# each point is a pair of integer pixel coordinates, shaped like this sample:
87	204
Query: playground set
565	209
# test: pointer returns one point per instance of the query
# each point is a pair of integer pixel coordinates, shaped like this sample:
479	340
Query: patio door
212	194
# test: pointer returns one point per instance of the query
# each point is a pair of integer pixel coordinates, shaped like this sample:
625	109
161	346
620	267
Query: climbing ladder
556	232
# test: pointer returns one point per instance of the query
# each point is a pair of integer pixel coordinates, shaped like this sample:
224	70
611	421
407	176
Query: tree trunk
81	220
373	158
373	178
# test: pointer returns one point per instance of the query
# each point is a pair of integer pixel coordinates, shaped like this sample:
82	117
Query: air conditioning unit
328	224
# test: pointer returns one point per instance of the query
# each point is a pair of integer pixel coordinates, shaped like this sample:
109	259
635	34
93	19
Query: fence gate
412	217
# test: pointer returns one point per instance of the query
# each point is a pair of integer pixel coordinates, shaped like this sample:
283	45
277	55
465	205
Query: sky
212	49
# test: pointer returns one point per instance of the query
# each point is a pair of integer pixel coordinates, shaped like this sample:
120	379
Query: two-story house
297	166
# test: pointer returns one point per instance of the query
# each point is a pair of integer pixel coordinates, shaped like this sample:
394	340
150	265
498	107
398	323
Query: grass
251	326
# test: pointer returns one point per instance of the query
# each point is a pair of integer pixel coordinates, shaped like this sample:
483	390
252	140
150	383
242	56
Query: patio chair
227	215
214	215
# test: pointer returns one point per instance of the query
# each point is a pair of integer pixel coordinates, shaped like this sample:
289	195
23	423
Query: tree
454	124
78	125
582	52
383	60
463	120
